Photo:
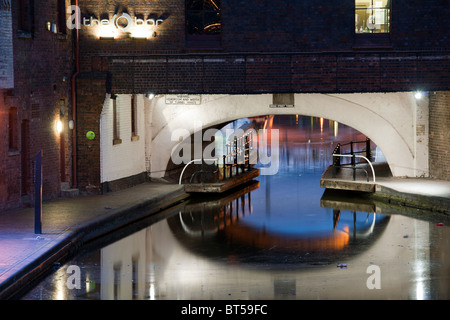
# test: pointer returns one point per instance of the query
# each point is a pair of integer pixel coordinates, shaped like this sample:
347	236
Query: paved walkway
66	220
422	193
425	187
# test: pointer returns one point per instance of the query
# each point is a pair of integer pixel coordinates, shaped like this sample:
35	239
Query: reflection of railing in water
237	159
368	232
305	157
230	213
352	154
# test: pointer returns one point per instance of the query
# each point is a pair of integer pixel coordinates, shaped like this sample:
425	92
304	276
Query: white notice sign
186	99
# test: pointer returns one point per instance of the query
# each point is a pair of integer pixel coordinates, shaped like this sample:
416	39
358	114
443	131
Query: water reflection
280	237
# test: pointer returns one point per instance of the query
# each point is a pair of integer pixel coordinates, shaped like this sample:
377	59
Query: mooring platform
222	186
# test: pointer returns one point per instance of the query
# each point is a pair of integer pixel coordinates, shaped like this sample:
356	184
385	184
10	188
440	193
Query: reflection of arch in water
216	231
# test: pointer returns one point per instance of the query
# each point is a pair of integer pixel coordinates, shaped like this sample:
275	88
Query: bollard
38	193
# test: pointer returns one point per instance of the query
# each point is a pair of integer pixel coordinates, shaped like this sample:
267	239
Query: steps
67	192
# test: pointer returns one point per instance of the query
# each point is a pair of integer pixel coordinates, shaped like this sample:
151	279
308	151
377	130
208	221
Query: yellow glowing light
418	95
106	32
140	32
59	126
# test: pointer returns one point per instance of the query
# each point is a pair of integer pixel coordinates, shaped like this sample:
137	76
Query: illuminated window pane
372	16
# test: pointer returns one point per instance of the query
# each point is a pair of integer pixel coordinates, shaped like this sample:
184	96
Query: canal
279	237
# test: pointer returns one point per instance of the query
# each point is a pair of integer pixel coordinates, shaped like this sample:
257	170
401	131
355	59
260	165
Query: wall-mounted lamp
71	124
150	95
139	32
106	32
59	126
418	95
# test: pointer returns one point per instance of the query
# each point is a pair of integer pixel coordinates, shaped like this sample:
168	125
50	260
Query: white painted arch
396	122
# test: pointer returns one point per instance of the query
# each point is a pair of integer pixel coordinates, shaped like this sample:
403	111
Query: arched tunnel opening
305	144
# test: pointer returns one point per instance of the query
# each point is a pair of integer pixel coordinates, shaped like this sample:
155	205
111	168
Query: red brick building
35	93
133	47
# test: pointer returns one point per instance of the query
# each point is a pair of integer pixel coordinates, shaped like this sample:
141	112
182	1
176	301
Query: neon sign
122	22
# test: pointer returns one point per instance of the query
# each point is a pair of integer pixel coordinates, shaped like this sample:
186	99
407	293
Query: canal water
279	237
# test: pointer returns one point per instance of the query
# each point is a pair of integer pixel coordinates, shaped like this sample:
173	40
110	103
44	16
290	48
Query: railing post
368	151
236	155
247	147
336	159
354	167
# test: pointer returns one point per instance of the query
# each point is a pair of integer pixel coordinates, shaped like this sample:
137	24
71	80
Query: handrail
187	164
351	156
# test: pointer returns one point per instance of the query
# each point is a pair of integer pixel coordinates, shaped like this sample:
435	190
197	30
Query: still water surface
279	237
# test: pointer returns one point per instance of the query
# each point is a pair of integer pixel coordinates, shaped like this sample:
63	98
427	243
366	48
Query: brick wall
280	73
274	46
272	26
42	70
91	90
439	142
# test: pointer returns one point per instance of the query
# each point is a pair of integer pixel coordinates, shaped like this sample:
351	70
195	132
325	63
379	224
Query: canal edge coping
83	234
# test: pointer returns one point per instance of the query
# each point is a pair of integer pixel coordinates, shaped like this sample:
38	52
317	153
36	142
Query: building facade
35	99
210	47
189	52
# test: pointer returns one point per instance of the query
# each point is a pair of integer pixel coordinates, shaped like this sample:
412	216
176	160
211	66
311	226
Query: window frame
13	133
202	40
388	7
61	9
116	121
25	16
134	118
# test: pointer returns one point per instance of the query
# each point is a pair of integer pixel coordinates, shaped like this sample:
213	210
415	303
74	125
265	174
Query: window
134	132
116	122
203	20
372	16
12	129
25	15
61	5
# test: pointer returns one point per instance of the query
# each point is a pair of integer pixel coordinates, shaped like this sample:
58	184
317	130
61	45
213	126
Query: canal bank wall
420	193
69	224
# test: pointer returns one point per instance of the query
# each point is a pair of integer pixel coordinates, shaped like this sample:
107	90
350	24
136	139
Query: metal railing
352	154
236	160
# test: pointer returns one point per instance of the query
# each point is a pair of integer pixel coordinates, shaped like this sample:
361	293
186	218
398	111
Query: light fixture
106	32
140	32
59	126
71	124
418	95
150	95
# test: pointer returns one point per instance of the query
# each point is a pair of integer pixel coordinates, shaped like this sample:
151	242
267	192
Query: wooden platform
222	186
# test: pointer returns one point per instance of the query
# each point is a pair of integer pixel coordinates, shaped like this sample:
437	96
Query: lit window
372	16
203	19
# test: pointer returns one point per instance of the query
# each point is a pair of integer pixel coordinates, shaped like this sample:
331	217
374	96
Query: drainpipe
74	102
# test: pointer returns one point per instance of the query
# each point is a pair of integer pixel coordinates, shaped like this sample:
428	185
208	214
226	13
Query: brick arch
388	119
